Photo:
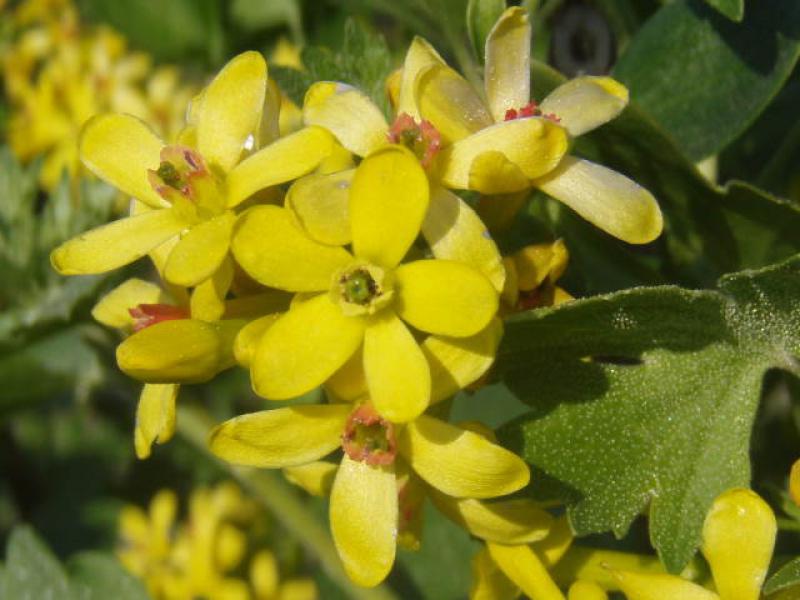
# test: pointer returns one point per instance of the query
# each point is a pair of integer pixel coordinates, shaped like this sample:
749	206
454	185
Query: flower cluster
200	555
58	73
339	254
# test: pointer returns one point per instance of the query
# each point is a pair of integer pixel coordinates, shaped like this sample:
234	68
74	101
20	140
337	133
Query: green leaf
787	576
57	362
481	17
98	576
661	412
31	571
710	230
705	78
363	61
733	9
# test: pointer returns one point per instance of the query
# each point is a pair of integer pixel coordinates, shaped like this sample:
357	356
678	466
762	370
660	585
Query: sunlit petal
508	63
584	103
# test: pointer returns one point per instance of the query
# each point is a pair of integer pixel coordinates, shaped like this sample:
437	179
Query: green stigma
169	174
358	287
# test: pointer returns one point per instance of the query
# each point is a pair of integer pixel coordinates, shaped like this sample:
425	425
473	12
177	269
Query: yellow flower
544	568
451	227
531	275
199	556
511	144
364	508
145	539
170	345
58	73
192	193
366	297
738	540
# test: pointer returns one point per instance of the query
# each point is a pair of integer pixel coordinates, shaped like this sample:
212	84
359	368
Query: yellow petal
444	297
256	304
155	416
201	251
287	158
538	262
585	103
499	211
350	382
244	347
551	549
303	348
533	145
508	64
120	149
388	201
315	477
299	589
456	363
276	252
586	590
460	463
397	373
363	514
455	232
320	203
638	586
340	159
117	244
510	293
348	114
231	109
516	521
794	478
606	199
598	565
283	437
488	581
450	103
179	351
207	302
420	55
264	574
521	565
112	309
738	539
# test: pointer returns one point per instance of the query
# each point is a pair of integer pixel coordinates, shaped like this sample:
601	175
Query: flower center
361	289
369	438
184	180
358	287
145	315
529	110
421	137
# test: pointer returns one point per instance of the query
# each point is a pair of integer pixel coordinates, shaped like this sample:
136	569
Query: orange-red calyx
369	438
178	174
529	110
421	137
145	315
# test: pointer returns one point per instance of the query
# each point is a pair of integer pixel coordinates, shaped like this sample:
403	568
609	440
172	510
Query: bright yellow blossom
364	298
192	192
199	556
738	540
451	227
170	345
491	148
531	275
364	508
58	73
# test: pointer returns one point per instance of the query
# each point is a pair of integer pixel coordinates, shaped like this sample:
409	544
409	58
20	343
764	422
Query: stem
278	498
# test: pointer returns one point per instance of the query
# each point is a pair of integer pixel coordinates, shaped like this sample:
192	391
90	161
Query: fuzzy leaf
661	412
704	77
787	576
